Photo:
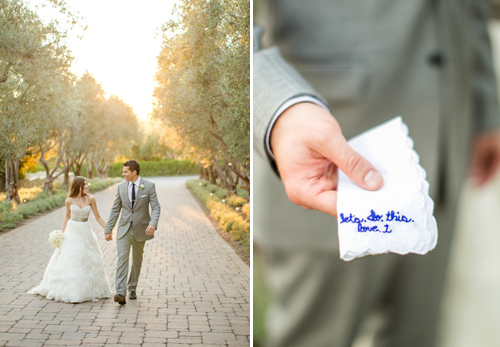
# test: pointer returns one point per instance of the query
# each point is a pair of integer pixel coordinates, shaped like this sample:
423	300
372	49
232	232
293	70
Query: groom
136	226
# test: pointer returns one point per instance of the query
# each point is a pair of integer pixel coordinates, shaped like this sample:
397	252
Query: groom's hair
133	166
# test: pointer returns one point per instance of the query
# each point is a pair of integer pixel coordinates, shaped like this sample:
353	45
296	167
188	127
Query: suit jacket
138	216
427	61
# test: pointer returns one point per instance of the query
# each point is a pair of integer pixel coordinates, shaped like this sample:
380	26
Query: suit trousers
320	300
123	248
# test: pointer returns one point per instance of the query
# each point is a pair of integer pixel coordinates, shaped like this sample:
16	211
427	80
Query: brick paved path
193	289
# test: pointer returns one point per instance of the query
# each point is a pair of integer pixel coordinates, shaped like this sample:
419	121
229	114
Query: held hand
486	157
150	230
309	146
108	237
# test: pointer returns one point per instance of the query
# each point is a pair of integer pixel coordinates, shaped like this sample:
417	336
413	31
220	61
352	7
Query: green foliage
9	219
101	183
212	188
5	206
230	220
199	191
221	193
152	149
34	63
44	108
204	80
109	124
242	192
159	168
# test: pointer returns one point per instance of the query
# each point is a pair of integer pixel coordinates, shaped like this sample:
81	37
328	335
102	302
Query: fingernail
372	179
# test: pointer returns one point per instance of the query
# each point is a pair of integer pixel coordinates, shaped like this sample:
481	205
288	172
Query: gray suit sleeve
155	207
274	82
486	104
115	212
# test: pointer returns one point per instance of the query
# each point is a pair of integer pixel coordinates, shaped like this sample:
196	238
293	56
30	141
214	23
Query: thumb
354	165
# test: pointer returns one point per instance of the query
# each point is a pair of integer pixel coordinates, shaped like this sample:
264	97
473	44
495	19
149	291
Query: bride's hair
77	187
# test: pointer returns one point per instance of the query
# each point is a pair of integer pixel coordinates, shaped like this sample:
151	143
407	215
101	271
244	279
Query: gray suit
428	61
132	230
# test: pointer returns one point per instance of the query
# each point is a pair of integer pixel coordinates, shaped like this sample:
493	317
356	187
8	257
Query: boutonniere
142	186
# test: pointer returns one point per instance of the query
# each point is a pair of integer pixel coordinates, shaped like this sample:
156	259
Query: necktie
133	195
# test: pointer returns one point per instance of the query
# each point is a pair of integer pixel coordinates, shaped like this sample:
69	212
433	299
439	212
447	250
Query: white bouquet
56	237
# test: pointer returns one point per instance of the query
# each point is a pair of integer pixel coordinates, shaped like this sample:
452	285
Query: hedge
42	202
160	168
230	221
236	201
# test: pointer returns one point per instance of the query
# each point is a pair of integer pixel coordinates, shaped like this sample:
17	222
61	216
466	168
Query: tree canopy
44	108
204	83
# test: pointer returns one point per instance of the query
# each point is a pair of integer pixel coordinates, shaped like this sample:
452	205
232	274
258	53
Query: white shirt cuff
287	104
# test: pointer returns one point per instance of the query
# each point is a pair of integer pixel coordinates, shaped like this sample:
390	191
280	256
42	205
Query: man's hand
150	230
309	146
108	237
486	157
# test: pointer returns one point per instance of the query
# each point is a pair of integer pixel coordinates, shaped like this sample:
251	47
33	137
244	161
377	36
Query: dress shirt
287	104
137	183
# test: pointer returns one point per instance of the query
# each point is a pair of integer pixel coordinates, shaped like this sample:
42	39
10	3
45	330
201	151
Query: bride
75	272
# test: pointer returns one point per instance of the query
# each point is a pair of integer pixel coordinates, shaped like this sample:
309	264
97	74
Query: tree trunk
77	168
222	176
213	174
66	168
7	178
49	180
66	177
12	179
243	177
231	185
103	168
48	185
90	169
78	164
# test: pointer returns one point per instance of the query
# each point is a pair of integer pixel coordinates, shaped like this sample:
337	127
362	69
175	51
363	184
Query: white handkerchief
396	218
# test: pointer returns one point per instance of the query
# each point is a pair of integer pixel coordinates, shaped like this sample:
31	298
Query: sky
120	46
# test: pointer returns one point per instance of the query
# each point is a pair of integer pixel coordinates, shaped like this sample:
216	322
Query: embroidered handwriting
374	228
374	217
390	216
350	219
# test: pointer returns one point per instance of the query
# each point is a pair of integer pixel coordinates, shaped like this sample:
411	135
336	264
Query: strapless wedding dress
75	272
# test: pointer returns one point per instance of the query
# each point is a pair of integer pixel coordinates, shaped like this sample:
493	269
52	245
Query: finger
355	166
325	201
331	175
317	195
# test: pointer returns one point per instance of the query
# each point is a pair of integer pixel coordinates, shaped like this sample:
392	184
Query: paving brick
160	327
36	336
23	344
11	337
199	328
60	328
162	334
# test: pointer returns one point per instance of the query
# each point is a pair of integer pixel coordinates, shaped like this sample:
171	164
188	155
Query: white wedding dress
75	272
